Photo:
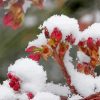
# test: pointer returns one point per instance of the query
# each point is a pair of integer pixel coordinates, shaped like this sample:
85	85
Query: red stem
95	96
65	72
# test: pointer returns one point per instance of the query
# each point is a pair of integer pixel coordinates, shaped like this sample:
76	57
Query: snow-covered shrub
27	78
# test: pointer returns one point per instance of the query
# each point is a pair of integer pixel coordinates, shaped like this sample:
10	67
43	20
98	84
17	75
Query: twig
65	72
95	96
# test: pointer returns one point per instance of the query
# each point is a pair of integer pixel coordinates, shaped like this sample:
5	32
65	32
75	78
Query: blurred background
13	43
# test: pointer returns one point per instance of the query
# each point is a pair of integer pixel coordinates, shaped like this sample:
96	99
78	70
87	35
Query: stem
63	98
64	70
95	96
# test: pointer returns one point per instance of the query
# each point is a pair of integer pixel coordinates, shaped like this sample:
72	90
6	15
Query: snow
75	97
65	24
46	96
57	89
92	31
41	40
31	74
6	93
83	57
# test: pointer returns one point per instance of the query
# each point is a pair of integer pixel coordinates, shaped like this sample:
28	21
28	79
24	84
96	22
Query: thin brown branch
65	72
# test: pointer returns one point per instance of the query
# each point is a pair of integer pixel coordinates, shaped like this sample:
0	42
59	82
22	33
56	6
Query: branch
63	98
95	96
64	70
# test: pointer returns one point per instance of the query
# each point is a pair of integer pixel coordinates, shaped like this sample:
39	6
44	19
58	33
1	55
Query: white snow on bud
57	89
65	24
46	96
41	40
92	31
6	93
22	97
84	84
31	74
83	57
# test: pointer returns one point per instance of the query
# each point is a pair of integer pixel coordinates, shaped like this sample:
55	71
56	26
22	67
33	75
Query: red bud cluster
14	82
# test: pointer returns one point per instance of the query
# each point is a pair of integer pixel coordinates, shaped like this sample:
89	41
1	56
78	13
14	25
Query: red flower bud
11	83
16	87
70	39
81	43
90	42
15	79
98	42
35	56
9	75
56	35
30	95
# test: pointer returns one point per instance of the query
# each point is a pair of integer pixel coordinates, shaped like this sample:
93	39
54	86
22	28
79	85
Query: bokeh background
14	42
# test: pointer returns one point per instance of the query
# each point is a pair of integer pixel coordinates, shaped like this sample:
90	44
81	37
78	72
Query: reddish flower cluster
14	17
91	48
55	38
84	67
1	2
14	82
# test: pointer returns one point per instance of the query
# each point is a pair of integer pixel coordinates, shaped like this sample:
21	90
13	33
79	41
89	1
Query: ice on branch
30	73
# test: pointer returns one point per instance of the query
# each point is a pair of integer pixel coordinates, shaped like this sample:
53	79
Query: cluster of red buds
15	15
14	82
54	40
91	48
